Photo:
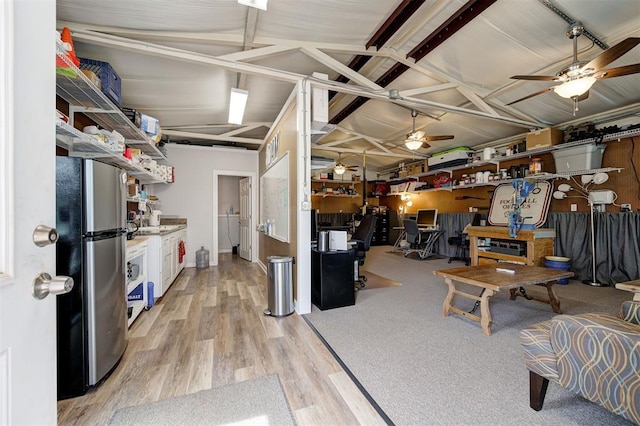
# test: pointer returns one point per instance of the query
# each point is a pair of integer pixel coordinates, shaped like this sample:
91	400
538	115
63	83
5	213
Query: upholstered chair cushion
598	357
539	356
631	312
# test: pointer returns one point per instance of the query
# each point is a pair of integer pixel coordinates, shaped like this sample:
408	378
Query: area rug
422	368
377	281
259	401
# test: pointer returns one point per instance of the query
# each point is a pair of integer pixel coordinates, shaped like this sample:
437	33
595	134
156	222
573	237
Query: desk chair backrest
364	233
412	230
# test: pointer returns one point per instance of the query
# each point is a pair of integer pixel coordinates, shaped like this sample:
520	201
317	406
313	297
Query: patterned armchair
594	355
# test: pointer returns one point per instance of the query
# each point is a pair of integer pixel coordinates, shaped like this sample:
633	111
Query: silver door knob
44	285
44	235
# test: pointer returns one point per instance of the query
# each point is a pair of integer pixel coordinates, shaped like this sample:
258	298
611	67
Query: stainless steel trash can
279	286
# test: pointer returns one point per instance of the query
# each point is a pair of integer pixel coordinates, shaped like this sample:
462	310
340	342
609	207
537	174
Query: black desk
332	278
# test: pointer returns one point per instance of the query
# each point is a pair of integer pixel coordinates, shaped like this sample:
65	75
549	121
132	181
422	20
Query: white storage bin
582	157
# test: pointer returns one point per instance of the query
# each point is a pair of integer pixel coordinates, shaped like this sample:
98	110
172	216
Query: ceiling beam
463	16
258	53
183	55
209	137
234	66
388	28
245	126
476	100
456	22
340	67
393	23
368	152
428	89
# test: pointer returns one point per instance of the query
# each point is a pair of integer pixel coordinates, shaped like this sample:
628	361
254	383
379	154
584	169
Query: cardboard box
93	78
543	138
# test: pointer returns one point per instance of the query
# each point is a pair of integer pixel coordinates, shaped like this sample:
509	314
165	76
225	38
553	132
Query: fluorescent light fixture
339	169
237	102
574	88
413	144
258	4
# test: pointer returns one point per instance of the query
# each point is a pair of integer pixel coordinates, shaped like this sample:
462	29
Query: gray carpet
253	402
422	368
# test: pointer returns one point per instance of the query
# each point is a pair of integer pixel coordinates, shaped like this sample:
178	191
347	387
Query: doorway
234	213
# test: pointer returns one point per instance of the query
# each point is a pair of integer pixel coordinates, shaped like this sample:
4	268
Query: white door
27	199
245	218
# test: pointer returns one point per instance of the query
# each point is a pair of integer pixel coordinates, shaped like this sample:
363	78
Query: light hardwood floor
209	330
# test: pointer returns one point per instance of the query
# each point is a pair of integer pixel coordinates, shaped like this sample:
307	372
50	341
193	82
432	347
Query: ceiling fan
416	139
576	79
340	168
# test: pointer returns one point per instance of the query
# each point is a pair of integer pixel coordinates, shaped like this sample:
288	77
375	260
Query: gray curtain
451	224
617	242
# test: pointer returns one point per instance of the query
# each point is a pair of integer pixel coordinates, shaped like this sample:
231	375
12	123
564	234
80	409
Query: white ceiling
178	60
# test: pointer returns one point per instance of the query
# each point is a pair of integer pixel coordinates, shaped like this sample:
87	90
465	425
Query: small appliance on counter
154	219
132	228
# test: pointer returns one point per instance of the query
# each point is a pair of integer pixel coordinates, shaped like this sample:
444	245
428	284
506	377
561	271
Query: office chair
462	246
362	237
414	237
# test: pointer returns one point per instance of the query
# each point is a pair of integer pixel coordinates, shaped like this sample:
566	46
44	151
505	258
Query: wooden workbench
539	244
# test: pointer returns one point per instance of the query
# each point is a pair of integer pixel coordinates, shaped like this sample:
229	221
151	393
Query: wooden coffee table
491	280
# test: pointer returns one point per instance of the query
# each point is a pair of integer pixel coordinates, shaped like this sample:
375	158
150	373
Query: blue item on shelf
109	78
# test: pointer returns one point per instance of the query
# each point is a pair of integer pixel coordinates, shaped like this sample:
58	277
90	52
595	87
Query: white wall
229	189
191	195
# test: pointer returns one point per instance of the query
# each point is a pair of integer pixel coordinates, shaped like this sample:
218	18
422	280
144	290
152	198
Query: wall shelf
336	195
83	96
532	153
85	146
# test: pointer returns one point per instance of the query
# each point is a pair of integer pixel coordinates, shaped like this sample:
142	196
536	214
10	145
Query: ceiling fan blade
619	71
535	77
438	138
540	92
611	54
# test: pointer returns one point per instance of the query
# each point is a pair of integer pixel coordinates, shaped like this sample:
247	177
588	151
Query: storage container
582	157
544	138
111	83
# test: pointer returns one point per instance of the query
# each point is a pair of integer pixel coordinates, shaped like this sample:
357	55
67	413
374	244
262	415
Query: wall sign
272	150
534	208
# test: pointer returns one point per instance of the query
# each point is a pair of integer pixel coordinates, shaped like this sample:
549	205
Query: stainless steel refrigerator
92	318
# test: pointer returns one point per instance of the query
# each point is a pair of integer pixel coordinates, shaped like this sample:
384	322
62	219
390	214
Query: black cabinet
381	234
332	279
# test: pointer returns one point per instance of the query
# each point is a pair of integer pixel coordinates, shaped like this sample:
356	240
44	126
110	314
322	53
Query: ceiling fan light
575	87
258	4
339	169
413	144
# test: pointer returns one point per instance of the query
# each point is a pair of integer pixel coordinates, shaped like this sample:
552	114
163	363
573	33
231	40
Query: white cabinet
166	260
136	278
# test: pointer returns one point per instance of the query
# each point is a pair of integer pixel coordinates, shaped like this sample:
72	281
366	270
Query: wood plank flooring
208	331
